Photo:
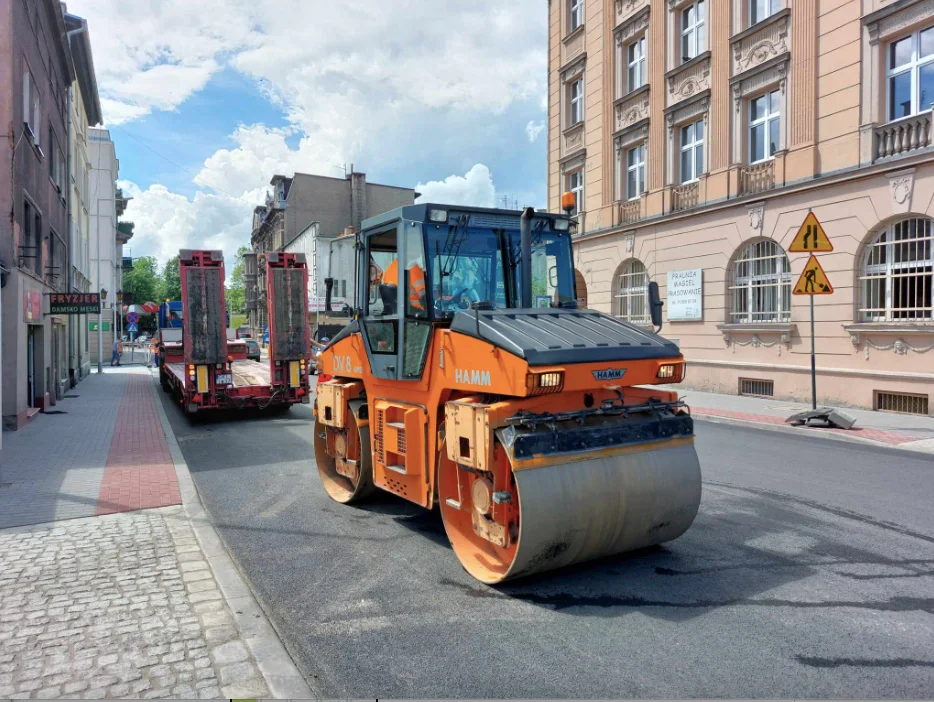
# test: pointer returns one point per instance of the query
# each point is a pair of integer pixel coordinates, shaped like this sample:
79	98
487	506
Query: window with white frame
576	101
692	151
631	292
761	284
897	278
762	9
575	185
910	73
577	14
635	172
635	64
693	30
764	126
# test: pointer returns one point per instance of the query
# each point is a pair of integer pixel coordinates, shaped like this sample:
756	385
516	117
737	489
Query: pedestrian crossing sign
813	280
811	237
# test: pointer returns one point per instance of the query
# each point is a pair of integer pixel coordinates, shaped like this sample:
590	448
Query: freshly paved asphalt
808	573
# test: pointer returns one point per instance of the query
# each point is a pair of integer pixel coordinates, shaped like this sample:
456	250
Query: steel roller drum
575	508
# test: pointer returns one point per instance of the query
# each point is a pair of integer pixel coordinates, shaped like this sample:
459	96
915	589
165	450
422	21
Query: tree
145	283
171	281
235	290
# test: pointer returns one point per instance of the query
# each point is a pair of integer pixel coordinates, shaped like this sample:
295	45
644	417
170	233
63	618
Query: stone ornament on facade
901	186
625	6
690	81
634	26
899	21
755	83
762	46
756	342
900	346
756	219
632	111
630	242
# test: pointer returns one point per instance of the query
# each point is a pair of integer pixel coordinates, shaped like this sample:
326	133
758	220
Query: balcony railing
757	178
684	197
903	136
630	211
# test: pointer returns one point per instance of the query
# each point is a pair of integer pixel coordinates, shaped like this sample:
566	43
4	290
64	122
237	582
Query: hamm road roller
469	379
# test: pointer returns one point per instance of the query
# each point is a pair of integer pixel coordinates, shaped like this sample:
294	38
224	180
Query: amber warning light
568	202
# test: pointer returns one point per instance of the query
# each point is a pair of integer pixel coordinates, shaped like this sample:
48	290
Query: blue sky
207	100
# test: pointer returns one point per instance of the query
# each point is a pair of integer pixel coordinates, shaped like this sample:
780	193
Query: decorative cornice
633	26
893	19
689	79
768	41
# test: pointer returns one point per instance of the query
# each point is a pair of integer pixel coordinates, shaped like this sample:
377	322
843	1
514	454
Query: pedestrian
117	352
154	352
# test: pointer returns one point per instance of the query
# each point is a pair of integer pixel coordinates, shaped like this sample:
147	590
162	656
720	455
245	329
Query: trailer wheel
164	381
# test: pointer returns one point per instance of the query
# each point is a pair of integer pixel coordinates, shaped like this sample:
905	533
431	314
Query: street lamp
100	332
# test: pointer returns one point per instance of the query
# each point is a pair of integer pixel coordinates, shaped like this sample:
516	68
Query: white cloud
475	188
533	129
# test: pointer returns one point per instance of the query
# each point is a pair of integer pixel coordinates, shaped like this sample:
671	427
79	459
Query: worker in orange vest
416	292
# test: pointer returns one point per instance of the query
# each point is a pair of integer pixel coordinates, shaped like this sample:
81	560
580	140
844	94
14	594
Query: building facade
85	112
698	135
36	72
306	213
105	242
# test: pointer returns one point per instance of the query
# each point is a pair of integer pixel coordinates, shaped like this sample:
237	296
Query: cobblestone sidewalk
117	606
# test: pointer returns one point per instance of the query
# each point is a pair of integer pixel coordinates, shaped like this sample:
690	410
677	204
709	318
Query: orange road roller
470	379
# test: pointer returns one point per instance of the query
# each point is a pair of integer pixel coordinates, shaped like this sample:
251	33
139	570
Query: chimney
357	199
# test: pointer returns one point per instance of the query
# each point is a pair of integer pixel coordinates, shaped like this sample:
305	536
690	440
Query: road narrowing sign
811	237
813	280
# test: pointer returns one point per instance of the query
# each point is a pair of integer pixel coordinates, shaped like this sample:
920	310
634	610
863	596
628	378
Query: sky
207	100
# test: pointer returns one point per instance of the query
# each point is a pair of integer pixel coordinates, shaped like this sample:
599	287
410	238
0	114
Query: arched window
630	288
761	284
581	286
897	277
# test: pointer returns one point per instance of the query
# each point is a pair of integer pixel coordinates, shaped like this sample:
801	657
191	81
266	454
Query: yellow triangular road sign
811	237
813	280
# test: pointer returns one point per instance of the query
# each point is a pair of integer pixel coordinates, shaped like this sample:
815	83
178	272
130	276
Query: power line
194	177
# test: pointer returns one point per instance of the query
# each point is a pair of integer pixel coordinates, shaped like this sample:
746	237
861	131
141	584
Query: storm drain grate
55	412
752	387
902	402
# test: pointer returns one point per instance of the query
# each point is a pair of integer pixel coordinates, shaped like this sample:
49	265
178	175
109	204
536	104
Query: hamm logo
609	374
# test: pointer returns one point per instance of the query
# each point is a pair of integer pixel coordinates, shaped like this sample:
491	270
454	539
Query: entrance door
30	368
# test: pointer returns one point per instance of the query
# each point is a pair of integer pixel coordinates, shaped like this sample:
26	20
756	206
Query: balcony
757	178
684	197
630	211
902	136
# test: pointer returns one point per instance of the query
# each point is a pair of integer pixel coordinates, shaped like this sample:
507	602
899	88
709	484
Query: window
576	102
32	236
635	60
32	114
761	284
577	14
764	127
911	74
897	278
635	172
692	151
761	9
575	185
631	290
693	30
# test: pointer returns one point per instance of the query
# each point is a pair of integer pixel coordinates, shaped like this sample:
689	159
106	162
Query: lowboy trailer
205	370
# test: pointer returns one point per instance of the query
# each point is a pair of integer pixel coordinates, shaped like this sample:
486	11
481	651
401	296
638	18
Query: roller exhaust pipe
525	260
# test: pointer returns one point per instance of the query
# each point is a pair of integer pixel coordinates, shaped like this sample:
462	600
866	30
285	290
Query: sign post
813	281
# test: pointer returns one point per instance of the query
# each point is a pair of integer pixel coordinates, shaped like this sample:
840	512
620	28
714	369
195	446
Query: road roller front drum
569	509
344	460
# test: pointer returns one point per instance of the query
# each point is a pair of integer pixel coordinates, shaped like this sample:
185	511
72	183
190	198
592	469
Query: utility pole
100	309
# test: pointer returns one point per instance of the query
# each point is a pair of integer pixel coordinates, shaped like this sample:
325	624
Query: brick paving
139	473
118	606
124	603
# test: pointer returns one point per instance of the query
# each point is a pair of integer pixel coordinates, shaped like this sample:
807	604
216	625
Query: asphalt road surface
809	572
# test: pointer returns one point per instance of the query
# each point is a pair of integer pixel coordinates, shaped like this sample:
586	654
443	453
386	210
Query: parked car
252	350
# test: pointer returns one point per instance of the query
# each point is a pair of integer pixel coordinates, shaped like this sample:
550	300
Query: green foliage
144	280
171	281
235	287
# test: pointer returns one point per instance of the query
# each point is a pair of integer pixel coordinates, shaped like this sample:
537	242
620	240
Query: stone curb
281	674
803	432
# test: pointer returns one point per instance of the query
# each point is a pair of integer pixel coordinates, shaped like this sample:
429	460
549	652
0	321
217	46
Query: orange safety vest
416	282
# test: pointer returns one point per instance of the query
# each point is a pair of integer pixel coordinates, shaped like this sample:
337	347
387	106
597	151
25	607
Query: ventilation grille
378	437
396	486
756	388
400	443
903	402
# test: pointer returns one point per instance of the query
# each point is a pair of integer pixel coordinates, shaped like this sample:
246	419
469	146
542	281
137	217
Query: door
30	368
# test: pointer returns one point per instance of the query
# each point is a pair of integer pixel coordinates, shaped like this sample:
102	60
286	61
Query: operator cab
421	265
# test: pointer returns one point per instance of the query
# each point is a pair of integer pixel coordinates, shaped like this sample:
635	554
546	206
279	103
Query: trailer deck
245	373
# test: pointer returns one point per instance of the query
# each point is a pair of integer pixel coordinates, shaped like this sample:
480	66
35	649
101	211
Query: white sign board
316	304
685	295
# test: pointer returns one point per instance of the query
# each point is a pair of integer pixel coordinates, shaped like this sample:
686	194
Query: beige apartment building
698	134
